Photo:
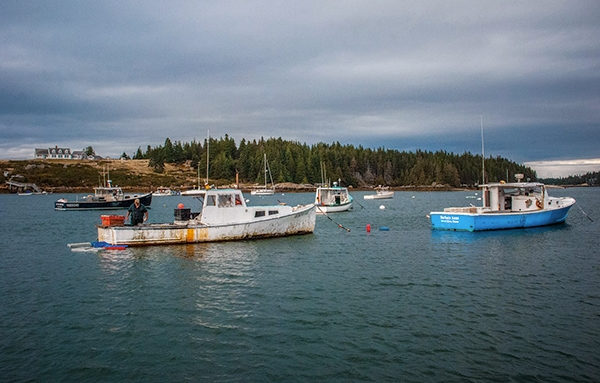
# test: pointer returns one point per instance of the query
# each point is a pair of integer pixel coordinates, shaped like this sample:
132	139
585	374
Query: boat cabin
332	196
108	193
513	197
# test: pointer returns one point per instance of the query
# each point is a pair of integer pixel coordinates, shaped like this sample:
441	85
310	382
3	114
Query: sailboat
200	191
265	190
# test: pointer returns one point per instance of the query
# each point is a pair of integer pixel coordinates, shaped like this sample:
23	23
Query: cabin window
259	213
225	200
211	200
273	212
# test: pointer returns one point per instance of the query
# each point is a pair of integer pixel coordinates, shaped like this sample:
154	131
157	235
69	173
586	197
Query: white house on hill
60	153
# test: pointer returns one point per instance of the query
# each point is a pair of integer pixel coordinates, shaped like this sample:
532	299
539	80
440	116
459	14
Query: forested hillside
590	178
296	162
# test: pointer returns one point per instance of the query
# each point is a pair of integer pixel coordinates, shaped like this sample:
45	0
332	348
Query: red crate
112	220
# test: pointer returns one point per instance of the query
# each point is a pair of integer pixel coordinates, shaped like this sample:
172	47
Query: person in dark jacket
138	213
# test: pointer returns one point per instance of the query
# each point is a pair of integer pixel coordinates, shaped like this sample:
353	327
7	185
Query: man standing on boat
138	212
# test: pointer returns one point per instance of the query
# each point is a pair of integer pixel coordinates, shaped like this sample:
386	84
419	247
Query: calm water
407	304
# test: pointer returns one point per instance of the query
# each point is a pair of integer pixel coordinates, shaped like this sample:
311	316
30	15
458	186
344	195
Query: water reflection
466	237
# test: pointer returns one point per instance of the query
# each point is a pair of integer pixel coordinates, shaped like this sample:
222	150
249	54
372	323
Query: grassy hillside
65	175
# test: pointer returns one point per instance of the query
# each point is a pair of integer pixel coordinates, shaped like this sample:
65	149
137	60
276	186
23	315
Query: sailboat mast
207	154
482	155
265	163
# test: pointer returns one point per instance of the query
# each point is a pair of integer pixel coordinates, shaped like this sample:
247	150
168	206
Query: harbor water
406	304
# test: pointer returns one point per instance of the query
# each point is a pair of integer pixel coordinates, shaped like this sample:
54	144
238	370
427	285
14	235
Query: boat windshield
517	191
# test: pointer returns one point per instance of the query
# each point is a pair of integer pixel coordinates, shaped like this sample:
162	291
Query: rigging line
328	217
354	200
588	217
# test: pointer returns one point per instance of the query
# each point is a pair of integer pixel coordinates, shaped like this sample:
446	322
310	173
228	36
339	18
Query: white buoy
413	196
381	207
247	200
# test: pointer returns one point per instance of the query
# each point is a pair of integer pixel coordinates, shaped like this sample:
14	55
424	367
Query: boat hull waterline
322	209
497	221
300	221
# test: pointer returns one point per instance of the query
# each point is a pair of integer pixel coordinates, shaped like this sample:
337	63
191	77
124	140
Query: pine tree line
590	178
297	162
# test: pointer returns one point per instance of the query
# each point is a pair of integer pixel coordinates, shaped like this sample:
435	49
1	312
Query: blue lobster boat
506	206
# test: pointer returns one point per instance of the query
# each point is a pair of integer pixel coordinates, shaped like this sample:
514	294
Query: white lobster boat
381	193
332	199
224	217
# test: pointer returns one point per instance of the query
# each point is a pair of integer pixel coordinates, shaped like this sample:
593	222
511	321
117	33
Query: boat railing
467	209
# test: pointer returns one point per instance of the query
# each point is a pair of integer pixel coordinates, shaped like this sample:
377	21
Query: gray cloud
117	75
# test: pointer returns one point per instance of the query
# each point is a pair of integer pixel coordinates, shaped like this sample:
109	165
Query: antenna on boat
482	154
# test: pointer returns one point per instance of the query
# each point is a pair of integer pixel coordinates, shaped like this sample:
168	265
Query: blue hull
496	221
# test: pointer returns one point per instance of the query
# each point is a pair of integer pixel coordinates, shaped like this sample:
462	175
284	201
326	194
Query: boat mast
207	156
482	155
265	163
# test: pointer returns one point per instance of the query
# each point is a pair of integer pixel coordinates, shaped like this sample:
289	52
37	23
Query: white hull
262	192
193	192
380	195
321	209
298	220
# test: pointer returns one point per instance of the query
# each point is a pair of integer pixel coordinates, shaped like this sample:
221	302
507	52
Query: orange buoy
180	206
368	227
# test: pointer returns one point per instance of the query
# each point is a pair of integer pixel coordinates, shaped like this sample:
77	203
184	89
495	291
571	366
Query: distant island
294	166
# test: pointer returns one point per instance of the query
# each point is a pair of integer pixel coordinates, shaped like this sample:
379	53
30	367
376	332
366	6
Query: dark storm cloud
394	74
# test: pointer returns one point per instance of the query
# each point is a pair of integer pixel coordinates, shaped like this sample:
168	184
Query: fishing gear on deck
329	218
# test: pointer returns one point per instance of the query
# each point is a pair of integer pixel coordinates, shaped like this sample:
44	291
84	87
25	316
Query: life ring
538	203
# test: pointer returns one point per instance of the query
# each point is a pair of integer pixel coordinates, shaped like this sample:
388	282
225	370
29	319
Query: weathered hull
145	200
333	208
497	221
300	221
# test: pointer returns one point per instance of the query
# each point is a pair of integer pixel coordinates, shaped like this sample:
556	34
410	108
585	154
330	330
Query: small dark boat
104	198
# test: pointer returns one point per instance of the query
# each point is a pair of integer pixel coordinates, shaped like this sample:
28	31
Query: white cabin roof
512	185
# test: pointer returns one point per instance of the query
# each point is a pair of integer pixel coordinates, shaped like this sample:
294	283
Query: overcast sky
403	75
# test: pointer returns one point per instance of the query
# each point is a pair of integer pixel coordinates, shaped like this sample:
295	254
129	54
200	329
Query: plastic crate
112	220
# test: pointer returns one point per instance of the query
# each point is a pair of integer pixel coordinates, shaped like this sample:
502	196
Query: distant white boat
193	192
164	192
332	199
381	193
265	190
224	217
32	193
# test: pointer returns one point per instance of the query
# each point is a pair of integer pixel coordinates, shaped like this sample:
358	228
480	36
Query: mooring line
354	200
588	217
328	217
